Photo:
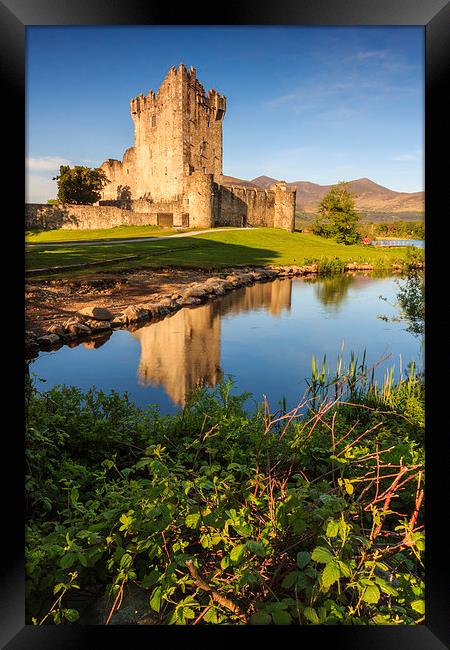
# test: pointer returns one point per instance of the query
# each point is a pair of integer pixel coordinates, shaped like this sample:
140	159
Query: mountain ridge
370	197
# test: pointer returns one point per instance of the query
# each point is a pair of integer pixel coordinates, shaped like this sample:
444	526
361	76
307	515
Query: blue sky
320	104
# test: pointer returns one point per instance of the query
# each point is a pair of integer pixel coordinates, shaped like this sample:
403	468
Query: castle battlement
175	164
213	100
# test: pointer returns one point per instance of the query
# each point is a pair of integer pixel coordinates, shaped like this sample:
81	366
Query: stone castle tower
174	168
177	131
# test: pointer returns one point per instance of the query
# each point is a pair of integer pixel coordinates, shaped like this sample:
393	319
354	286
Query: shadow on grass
179	252
121	235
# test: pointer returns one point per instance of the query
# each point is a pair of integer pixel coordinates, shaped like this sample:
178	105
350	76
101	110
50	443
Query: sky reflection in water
263	336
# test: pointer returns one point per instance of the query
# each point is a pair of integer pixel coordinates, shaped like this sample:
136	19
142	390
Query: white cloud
39	188
356	87
45	163
409	157
372	54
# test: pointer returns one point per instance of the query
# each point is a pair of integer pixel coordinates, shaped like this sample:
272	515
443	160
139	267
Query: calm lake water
263	336
418	243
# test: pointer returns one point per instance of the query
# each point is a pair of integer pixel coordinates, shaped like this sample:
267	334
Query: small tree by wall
80	185
338	218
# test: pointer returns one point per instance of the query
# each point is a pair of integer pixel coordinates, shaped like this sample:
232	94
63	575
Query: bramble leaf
237	553
67	560
371	594
332	529
261	618
311	614
303	557
418	606
330	574
281	617
193	520
322	555
71	615
155	600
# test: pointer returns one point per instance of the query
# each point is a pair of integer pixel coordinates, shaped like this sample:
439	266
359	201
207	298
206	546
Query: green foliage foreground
220	516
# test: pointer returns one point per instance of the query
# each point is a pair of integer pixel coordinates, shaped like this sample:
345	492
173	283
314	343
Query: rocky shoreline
95	324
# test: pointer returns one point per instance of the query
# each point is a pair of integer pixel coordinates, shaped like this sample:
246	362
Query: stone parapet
83	217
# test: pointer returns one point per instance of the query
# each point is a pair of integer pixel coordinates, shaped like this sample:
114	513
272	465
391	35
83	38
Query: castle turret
177	131
284	209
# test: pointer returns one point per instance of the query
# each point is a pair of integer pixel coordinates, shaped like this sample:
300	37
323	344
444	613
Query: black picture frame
434	16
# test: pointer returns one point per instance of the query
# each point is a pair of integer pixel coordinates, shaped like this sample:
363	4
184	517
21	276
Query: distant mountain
231	180
264	181
370	197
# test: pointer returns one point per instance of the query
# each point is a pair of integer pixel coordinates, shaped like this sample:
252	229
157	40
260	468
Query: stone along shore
96	323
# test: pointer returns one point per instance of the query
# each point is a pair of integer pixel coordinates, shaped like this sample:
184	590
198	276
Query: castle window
153	120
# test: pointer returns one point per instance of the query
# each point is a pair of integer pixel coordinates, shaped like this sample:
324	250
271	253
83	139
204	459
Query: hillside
374	199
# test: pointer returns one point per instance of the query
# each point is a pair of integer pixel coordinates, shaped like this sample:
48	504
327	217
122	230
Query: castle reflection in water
182	351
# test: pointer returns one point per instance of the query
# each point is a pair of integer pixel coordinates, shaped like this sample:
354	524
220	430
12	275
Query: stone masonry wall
177	131
206	204
152	168
200	200
83	217
244	206
284	210
175	168
202	116
230	208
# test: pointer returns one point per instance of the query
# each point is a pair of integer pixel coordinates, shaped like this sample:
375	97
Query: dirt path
100	242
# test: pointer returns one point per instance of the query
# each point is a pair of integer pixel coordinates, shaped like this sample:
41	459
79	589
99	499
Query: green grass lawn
216	250
119	232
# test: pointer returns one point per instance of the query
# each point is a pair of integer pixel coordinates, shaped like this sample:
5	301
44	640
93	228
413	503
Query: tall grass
351	384
356	379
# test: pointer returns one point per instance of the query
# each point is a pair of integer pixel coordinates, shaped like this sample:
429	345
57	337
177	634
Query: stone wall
202	116
200	200
230	208
245	206
177	131
175	164
83	217
204	205
284	209
173	168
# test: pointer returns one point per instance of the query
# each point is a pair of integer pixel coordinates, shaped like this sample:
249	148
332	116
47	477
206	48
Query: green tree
80	185
338	218
411	296
411	300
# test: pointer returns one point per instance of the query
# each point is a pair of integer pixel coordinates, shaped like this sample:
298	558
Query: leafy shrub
224	517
